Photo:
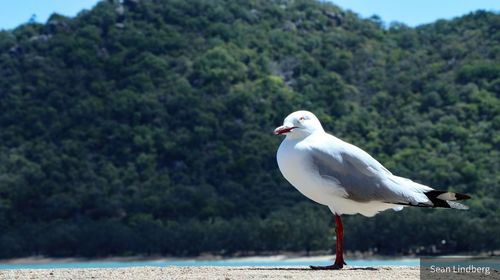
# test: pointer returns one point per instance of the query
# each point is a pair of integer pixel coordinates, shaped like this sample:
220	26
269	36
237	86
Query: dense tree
144	127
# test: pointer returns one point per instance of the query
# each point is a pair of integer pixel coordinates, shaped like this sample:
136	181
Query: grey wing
363	178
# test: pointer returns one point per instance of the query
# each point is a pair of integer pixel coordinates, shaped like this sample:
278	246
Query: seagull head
299	124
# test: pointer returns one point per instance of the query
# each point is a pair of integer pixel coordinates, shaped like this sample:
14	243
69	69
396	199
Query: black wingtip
461	196
444	194
436	202
446	199
440	199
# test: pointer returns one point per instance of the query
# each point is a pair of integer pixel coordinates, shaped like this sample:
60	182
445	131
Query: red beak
283	129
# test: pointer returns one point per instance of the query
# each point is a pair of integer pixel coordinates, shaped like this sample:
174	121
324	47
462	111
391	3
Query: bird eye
302	118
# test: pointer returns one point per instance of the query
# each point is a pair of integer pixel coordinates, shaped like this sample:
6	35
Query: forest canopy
144	127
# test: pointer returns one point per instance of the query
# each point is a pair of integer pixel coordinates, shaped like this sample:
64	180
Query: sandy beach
207	272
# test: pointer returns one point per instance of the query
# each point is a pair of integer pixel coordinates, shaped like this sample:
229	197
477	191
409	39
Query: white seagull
345	178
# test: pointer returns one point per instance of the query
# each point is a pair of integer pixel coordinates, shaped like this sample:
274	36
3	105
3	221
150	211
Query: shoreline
263	256
244	270
211	272
255	258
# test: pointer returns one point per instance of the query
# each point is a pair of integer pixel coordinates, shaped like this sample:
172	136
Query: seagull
345	178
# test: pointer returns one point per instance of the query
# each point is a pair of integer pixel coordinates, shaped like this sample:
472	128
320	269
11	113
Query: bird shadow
302	268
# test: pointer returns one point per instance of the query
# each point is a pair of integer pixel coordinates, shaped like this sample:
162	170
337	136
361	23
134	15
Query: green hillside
145	127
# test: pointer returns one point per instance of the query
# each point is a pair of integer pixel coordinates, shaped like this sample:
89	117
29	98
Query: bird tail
439	199
444	199
425	196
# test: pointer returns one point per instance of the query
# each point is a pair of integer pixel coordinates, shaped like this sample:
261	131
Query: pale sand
211	272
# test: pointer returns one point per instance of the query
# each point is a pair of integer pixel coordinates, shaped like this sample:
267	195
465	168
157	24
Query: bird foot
334	266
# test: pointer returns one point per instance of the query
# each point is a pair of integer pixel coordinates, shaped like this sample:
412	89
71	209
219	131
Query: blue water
228	262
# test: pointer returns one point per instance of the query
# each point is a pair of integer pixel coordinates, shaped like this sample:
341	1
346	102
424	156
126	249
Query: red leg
339	250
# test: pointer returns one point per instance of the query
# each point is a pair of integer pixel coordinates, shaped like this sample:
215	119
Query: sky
410	12
416	12
16	12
